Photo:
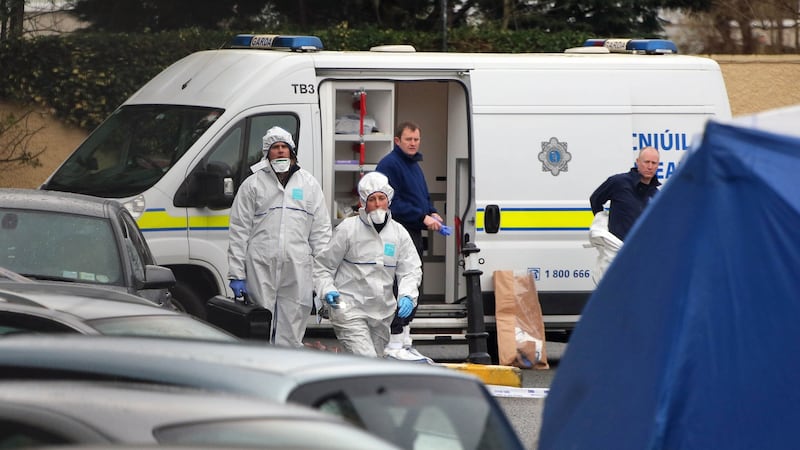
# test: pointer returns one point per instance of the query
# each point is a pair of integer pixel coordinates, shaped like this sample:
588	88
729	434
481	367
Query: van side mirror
209	186
491	219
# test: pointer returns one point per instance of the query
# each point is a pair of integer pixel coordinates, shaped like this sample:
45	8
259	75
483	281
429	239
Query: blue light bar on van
274	41
648	46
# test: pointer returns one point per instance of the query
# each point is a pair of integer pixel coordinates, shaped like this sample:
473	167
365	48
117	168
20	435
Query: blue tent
692	338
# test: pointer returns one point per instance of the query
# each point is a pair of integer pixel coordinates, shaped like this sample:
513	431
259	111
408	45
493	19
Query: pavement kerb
490	374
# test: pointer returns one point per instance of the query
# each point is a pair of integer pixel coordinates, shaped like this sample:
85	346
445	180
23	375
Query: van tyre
188	300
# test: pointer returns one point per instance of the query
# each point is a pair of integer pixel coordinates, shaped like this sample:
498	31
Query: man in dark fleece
628	192
412	208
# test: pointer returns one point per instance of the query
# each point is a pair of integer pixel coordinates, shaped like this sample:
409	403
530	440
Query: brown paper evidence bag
518	316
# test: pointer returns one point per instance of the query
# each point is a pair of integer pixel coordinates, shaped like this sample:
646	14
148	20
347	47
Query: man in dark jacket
628	192
412	208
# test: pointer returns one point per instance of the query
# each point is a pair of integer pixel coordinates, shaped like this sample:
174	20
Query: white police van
513	146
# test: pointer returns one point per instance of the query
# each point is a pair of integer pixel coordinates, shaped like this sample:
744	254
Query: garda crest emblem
554	156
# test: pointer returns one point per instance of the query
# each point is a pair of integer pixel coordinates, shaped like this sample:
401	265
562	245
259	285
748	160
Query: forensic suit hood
374	182
277	134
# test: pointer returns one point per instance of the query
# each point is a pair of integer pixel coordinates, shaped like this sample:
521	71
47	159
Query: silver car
78	239
414	406
38	307
109	413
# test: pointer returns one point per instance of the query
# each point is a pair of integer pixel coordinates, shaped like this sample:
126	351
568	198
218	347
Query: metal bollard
476	329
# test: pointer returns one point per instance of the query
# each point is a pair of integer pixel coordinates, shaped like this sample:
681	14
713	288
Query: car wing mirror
158	277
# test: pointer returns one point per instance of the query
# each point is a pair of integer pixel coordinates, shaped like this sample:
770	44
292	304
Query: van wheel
187	300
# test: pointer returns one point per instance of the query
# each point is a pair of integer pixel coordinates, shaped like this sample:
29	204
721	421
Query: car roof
65	202
82	301
252	368
92	310
130	412
41	290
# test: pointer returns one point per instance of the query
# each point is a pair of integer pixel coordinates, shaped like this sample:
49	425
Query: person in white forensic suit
356	271
278	224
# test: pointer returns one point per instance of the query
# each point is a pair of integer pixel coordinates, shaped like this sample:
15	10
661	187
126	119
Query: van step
427	322
441	311
439	338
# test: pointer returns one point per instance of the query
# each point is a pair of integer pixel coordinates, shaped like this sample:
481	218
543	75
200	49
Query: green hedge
83	77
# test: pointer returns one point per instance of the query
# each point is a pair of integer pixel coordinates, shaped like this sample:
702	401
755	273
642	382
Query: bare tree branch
15	141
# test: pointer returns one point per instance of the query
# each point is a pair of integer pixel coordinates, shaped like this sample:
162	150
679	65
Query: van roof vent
393	48
646	46
277	42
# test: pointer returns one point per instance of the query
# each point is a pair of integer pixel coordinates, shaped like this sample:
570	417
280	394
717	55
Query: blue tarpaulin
692	338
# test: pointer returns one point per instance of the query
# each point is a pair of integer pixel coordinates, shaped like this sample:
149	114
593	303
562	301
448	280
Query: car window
177	326
415	412
15	434
29	426
12	323
59	246
135	246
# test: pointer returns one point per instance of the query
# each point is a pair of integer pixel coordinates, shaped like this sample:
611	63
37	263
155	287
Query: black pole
476	328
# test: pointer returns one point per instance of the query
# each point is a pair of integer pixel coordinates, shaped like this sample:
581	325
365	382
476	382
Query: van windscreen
132	149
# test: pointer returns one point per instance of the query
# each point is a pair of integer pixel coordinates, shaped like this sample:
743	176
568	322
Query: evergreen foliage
83	77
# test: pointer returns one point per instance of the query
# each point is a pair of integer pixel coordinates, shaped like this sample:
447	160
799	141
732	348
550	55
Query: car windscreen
132	149
415	411
171	326
48	245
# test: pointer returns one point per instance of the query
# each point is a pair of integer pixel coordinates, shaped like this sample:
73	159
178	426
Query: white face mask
281	165
377	216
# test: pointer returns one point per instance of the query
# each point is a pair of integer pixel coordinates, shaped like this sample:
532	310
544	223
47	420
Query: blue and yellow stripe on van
540	219
158	219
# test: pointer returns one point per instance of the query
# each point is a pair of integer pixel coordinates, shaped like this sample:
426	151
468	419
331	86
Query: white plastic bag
350	124
605	242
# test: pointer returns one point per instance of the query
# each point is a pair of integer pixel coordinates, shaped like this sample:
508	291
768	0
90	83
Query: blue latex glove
404	306
444	230
332	298
239	288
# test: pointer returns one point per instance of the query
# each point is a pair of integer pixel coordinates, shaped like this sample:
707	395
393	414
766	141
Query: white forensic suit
275	232
361	265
